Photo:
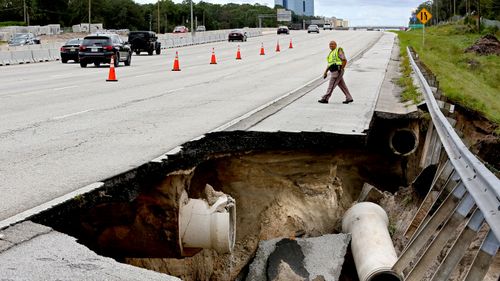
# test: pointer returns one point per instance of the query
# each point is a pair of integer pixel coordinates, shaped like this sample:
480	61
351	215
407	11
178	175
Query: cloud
358	12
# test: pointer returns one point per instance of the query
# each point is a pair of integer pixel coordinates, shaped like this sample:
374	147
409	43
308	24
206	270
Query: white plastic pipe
207	227
371	244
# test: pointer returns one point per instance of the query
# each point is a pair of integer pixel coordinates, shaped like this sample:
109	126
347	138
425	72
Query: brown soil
486	45
480	136
278	194
61	38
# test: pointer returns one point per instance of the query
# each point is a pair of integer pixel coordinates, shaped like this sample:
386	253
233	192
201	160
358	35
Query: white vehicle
327	26
313	28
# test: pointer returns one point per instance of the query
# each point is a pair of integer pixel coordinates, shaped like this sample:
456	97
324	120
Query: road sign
416	26
424	16
284	15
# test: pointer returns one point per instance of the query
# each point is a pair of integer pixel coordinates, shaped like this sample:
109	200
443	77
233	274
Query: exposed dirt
480	135
486	45
278	194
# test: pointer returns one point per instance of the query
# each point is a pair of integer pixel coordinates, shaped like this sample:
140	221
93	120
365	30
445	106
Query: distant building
299	7
340	22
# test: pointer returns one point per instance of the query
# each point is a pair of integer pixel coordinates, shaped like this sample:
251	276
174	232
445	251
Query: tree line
127	14
443	10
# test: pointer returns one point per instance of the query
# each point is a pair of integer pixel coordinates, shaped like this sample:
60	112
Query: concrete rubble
319	258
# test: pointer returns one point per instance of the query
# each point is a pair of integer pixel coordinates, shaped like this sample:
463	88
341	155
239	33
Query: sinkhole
260	186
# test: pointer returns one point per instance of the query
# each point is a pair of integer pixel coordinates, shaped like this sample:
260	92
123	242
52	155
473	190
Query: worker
336	65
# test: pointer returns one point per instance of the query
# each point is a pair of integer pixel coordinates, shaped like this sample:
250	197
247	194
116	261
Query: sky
358	12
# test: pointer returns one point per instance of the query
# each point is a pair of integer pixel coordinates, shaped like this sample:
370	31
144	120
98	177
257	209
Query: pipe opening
385	276
403	142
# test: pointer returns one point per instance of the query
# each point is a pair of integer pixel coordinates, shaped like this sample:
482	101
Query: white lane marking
64	88
71	114
142	75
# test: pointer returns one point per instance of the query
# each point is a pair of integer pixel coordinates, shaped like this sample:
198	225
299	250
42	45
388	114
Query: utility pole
150	19
166	23
479	15
454	7
90	3
158	16
437	12
192	23
24	10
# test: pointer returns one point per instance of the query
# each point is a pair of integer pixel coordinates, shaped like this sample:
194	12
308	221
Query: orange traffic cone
238	54
213	60
262	52
176	63
112	75
278	47
291	45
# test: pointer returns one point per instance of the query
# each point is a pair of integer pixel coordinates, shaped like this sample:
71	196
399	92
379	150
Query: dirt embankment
486	45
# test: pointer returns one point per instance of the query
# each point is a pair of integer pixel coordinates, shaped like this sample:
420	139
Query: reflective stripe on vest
333	57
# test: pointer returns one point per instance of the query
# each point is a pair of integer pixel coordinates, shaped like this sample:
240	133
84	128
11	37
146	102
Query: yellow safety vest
333	57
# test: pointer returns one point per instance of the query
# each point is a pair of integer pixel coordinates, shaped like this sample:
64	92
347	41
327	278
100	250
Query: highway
63	127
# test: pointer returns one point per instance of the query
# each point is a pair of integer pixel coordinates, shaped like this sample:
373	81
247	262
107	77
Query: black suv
144	41
99	48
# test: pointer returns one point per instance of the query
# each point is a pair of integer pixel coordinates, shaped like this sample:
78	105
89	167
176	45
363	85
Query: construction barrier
25	56
41	55
55	54
50	51
5	58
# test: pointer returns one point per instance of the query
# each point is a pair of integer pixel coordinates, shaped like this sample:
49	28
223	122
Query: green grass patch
12	23
468	79
410	92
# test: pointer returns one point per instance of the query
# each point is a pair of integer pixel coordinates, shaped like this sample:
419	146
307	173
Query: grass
468	79
410	92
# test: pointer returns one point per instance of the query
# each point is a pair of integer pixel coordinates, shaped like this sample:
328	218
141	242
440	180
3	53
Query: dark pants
337	79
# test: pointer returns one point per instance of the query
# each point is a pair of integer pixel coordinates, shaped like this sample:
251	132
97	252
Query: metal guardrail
481	183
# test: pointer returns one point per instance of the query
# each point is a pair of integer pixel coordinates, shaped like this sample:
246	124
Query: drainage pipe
404	141
205	226
371	245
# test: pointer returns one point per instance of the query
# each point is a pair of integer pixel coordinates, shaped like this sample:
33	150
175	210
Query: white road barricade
54	54
24	56
50	52
5	58
41	55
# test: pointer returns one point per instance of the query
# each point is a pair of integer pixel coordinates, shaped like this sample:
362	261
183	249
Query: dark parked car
21	39
99	48
144	41
283	30
69	51
237	35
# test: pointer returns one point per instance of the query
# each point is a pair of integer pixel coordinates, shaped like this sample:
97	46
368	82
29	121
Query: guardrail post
443	178
446	232
483	259
441	215
459	247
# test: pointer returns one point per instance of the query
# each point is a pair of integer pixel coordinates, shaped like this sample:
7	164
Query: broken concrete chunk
369	193
319	258
212	195
286	273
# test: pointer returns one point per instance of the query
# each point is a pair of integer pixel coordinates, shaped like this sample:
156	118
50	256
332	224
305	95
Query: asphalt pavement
63	127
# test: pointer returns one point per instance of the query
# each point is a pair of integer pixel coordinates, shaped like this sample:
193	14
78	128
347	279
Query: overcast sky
358	12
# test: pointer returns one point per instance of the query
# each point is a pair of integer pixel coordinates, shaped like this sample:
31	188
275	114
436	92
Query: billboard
284	15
